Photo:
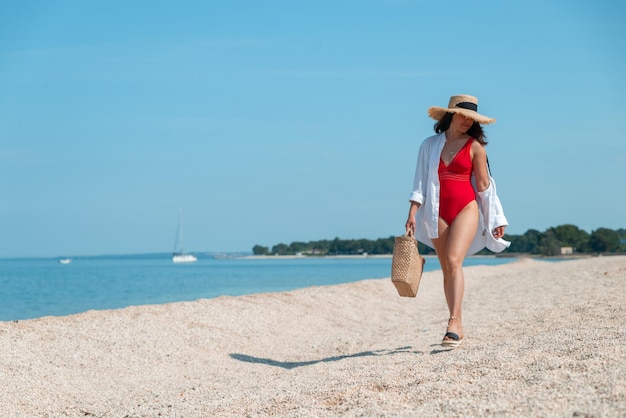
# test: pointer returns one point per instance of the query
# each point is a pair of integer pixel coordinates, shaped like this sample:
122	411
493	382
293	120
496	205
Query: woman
454	201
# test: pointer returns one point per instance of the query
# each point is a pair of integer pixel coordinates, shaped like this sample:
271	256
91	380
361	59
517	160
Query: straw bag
406	265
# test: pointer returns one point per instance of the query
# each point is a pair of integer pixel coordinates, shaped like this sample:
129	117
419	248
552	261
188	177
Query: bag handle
408	233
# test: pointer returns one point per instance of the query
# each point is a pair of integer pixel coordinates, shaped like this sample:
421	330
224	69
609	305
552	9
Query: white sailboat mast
179	255
178	242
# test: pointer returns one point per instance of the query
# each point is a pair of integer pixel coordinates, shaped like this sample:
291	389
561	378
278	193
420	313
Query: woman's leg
441	245
451	247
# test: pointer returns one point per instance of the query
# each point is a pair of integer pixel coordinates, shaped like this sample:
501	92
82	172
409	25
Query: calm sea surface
31	288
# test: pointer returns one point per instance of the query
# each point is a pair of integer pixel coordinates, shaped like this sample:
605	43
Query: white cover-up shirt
426	193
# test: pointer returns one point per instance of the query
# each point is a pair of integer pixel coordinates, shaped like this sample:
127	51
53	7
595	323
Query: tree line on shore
550	242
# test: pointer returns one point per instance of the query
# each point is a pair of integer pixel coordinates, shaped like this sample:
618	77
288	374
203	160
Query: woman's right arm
410	222
419	185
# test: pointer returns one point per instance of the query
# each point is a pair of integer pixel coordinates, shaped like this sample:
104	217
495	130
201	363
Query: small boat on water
65	261
179	255
184	258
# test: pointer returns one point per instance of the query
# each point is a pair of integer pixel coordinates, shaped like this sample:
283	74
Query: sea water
32	288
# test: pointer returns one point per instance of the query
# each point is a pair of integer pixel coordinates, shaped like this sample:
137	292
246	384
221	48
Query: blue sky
281	121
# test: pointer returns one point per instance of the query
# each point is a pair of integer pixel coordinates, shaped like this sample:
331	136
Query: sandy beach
542	339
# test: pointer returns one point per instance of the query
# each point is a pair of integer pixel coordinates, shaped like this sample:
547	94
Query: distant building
567	250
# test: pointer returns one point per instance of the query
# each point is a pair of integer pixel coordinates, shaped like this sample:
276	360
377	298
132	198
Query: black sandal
452	339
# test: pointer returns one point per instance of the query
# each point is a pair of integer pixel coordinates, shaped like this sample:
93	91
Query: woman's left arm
481	173
479	163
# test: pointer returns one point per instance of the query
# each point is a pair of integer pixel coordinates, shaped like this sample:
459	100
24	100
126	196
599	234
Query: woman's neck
455	135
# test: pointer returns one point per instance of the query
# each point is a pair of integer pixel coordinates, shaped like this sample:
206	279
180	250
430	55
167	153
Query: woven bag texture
406	265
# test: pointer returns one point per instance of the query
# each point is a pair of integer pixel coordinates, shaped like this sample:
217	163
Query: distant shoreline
271	257
505	255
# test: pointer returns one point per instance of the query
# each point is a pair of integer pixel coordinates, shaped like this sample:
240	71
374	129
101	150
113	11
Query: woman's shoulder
476	145
430	144
432	139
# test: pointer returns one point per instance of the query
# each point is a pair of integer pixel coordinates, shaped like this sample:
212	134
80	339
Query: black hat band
468	105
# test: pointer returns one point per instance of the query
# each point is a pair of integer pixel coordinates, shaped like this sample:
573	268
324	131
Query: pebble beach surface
542	339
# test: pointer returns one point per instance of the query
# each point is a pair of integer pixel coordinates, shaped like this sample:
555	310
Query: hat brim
437	113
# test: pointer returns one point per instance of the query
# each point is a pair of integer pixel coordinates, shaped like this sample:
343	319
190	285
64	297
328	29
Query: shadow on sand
294	364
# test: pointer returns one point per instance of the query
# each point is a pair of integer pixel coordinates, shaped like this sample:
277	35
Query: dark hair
475	131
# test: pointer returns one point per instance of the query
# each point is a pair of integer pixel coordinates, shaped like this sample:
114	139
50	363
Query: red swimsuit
455	188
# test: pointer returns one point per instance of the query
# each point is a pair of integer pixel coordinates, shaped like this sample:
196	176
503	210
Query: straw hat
463	104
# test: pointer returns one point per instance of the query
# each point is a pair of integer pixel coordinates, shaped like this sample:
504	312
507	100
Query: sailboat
179	255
